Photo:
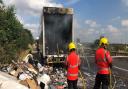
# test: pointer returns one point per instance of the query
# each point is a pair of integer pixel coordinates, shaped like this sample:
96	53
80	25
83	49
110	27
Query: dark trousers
72	84
102	79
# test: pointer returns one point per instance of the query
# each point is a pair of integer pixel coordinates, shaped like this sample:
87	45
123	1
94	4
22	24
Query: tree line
14	38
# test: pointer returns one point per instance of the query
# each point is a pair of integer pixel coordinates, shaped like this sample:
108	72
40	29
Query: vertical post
72	27
43	33
43	38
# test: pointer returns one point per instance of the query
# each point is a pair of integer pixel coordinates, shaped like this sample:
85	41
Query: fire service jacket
72	62
103	60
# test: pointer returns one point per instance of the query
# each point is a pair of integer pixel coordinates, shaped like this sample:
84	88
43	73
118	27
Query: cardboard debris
9	82
24	82
32	78
32	84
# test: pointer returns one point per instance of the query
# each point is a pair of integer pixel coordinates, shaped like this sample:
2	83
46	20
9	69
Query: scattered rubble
42	77
26	76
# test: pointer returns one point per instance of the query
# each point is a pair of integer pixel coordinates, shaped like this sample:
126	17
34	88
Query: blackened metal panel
57	30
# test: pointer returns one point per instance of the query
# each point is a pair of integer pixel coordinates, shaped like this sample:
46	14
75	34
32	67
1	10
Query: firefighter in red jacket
103	61
72	64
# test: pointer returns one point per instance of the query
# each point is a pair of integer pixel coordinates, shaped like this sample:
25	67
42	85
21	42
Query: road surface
120	71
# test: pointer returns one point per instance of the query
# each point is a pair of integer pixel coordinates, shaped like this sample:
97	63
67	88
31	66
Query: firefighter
103	61
72	64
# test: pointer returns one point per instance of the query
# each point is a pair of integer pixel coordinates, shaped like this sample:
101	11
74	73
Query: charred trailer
56	33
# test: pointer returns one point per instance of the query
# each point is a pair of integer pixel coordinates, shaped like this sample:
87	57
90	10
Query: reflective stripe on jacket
103	59
73	61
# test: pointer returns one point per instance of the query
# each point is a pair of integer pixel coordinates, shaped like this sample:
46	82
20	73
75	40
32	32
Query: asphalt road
120	71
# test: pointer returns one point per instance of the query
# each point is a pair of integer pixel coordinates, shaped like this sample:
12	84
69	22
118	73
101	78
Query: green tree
95	44
1	1
13	37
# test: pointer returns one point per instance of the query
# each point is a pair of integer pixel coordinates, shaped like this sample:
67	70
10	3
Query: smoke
58	32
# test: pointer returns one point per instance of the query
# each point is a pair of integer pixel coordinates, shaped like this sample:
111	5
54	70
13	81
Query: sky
91	19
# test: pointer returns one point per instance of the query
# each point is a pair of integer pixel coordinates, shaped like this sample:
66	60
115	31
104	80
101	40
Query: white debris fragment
9	82
24	76
40	67
11	85
44	79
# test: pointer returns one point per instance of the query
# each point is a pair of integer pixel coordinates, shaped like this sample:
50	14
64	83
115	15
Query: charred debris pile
35	76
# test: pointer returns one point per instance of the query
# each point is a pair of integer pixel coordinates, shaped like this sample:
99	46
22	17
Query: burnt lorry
56	33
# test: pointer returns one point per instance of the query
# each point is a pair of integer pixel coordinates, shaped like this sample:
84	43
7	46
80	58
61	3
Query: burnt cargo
56	25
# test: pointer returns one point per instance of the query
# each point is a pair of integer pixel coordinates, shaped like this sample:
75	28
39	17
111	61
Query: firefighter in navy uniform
72	64
103	61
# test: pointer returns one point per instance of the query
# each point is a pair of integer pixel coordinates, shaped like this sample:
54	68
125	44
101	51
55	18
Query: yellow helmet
72	46
103	41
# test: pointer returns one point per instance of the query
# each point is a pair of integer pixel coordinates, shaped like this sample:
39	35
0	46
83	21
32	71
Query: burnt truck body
56	31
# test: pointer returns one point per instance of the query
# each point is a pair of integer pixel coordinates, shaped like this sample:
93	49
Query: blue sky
100	10
92	18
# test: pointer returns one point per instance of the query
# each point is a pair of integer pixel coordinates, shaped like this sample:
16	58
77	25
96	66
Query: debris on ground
40	77
22	75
